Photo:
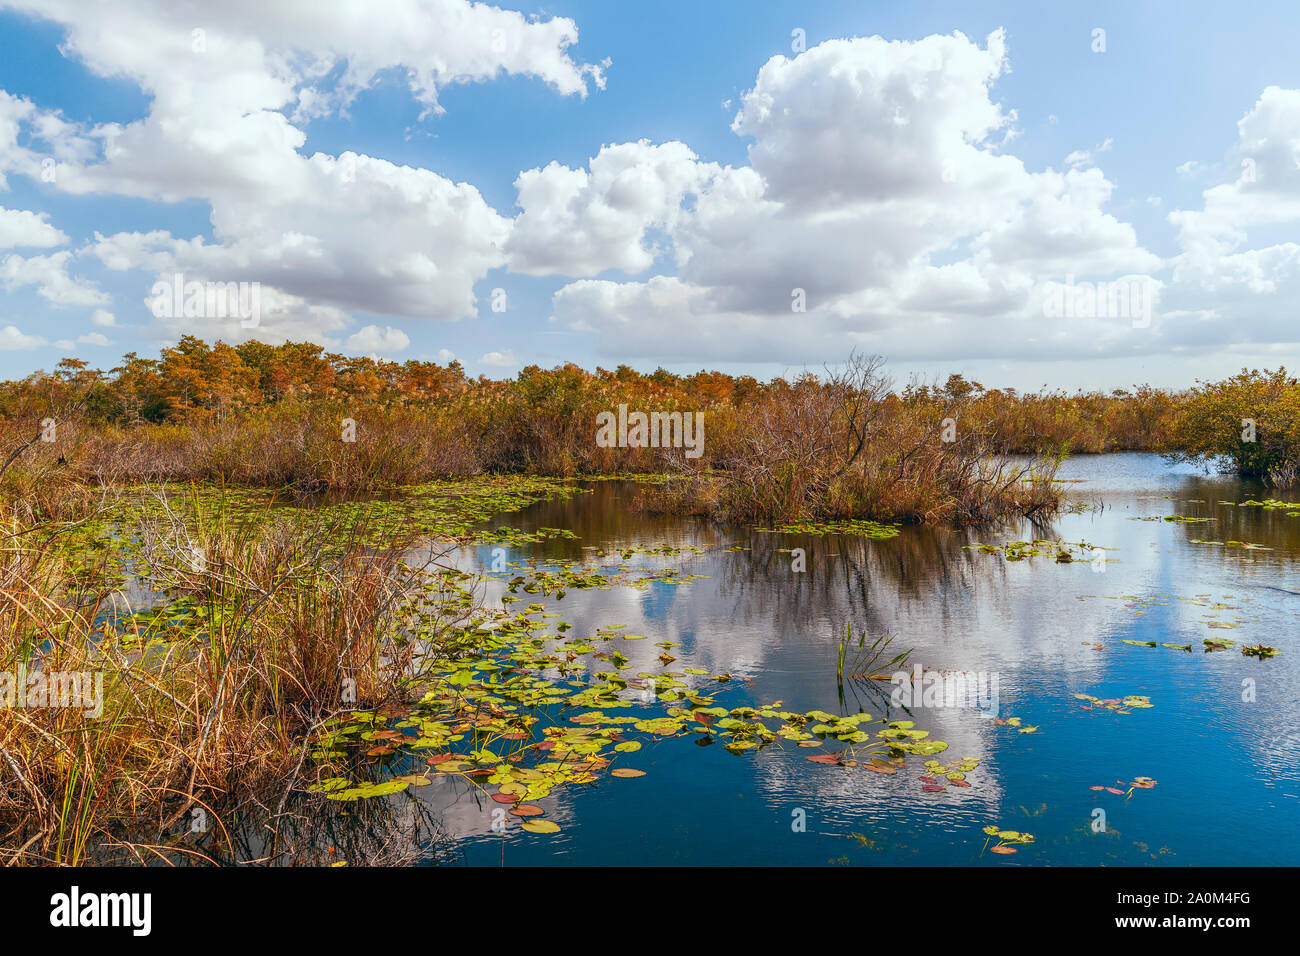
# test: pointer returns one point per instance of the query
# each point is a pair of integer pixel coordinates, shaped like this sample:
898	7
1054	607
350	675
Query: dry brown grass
299	621
846	446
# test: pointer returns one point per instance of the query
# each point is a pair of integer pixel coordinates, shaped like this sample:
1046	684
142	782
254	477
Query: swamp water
1108	742
1221	737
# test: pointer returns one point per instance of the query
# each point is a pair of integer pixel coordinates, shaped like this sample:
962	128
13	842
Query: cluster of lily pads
658	550
1244	545
952	774
1064	552
1213	644
1141	605
1017	723
1172	647
1006	839
519	712
556	577
106	551
1269	504
1259	650
1137	783
515	537
1120	705
875	530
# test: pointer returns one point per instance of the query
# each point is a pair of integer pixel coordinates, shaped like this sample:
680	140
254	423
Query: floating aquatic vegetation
899	738
108	550
1140	606
1259	650
1016	722
513	536
1120	705
875	530
1005	840
1172	647
646	478
1063	552
502	712
1137	783
540	826
628	552
670	576
1243	545
953	774
556	578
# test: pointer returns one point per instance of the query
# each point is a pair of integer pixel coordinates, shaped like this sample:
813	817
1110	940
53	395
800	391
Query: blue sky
1078	163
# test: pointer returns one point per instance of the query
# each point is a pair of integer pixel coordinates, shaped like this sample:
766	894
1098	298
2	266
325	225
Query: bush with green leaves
1249	423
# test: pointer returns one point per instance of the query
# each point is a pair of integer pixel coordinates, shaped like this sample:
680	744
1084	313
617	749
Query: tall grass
867	660
849	447
292	620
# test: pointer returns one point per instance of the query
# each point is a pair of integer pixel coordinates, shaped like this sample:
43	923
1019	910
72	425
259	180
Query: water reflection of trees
856	579
1268	527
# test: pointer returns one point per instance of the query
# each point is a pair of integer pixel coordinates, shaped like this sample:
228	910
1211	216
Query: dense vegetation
271	621
194	384
212	698
1249	423
263	415
294	415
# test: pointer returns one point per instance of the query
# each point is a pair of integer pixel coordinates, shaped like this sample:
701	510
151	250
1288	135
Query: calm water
1227	761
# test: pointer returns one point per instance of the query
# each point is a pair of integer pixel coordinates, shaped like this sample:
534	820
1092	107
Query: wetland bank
464	640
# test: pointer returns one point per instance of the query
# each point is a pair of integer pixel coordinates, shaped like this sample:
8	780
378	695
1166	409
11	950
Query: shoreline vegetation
261	626
846	444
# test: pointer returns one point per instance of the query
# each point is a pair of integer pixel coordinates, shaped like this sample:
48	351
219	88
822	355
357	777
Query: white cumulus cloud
12	338
372	338
21	227
503	359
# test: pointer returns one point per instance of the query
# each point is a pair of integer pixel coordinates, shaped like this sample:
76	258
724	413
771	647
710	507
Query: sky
1033	195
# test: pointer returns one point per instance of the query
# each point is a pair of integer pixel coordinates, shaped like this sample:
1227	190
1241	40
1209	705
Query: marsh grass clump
846	446
269	624
865	661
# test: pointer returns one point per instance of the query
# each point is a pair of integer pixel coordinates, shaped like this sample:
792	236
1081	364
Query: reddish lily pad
824	758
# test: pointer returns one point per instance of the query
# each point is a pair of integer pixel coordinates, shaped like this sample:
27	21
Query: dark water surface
1222	739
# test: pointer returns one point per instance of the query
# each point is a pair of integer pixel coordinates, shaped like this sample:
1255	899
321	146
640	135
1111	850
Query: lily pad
540	826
